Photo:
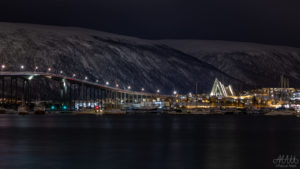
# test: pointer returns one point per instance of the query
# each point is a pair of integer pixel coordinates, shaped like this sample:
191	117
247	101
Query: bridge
69	93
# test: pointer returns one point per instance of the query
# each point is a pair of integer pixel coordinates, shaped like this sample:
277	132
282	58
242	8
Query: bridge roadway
72	92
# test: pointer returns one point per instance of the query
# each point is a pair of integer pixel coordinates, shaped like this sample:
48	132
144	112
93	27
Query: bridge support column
2	92
124	98
116	99
86	96
16	90
81	95
11	90
29	91
70	96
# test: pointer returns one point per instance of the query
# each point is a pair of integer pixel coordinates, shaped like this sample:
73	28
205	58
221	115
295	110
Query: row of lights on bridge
117	85
22	67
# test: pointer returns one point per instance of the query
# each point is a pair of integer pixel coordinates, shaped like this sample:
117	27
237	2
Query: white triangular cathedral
220	90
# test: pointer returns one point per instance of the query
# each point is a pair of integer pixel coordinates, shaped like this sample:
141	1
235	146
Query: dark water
145	141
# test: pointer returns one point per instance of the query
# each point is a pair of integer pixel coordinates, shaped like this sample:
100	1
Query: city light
36	68
129	87
157	91
61	72
143	89
3	66
86	78
175	92
97	81
74	75
22	66
107	83
65	107
30	77
49	69
117	85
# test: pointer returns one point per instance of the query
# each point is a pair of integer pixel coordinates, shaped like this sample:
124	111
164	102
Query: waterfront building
220	90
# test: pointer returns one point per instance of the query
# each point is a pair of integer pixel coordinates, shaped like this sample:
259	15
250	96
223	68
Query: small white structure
220	90
295	96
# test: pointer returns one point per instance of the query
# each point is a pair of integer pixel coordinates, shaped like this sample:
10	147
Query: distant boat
200	111
23	109
39	109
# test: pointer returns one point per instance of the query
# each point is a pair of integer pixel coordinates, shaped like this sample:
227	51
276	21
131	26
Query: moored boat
39	109
23	109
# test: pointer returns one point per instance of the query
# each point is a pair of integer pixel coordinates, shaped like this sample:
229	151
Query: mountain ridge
105	57
255	64
151	64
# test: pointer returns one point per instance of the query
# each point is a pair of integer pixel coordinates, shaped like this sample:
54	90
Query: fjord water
145	141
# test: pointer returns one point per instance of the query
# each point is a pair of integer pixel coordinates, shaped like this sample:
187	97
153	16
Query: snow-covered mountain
166	64
255	64
106	57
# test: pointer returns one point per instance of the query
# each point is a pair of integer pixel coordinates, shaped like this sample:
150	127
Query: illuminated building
295	96
219	89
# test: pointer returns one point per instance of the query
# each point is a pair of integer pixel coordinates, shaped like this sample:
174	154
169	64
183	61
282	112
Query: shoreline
205	112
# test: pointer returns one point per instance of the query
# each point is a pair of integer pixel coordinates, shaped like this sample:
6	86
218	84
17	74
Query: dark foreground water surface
145	141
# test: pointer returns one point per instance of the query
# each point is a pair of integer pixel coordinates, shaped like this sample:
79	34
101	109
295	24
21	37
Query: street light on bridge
22	67
3	66
175	92
97	81
129	87
74	75
157	91
36	68
86	78
143	89
49	69
117	85
107	83
61	72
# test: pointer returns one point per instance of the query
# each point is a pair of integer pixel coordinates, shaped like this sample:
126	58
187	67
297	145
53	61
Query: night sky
262	21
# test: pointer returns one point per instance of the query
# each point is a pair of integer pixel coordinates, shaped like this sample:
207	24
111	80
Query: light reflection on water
145	141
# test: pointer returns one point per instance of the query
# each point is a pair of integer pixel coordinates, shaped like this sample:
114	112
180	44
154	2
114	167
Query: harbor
101	100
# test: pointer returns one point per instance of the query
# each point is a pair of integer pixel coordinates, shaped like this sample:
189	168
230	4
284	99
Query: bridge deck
86	82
